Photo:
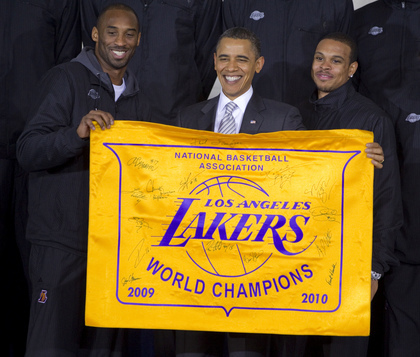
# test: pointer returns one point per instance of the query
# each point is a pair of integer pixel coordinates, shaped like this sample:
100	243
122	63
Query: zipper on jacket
144	43
146	3
96	102
403	42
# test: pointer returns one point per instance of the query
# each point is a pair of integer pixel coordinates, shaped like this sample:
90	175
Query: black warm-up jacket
35	36
387	33
57	158
344	108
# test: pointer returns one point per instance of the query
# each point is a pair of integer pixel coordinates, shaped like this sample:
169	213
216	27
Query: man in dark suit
237	59
236	110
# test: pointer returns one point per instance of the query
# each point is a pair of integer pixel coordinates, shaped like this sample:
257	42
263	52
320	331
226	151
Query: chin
230	94
325	89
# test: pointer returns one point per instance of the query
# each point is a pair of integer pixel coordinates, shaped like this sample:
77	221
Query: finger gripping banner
195	230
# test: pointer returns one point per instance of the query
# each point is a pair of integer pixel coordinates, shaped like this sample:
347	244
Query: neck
322	94
116	76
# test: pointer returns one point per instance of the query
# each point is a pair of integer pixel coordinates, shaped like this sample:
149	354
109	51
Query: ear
353	68
259	64
95	34
138	40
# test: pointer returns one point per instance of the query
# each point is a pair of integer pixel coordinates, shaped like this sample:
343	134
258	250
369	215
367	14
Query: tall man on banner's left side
95	87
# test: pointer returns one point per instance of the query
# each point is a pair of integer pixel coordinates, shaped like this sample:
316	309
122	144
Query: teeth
324	75
119	53
232	78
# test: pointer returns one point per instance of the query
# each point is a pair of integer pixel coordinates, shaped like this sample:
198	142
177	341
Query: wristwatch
375	275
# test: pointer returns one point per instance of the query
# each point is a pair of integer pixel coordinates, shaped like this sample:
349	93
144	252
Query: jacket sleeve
231	14
49	138
207	31
293	120
68	34
344	16
89	11
387	204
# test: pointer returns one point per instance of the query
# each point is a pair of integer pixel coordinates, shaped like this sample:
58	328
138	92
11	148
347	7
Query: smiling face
235	63
116	40
331	67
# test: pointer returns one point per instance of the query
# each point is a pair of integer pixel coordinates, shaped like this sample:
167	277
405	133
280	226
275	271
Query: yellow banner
194	230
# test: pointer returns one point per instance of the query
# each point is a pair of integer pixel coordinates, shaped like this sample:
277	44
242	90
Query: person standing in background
289	32
173	64
34	37
387	33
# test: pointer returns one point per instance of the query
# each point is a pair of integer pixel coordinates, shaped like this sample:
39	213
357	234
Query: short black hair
347	40
242	33
116	6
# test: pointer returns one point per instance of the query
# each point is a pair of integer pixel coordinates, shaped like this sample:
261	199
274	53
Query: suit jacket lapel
208	118
253	119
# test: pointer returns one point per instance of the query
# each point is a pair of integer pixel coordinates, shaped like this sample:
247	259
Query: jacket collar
333	100
209	115
251	121
253	118
88	59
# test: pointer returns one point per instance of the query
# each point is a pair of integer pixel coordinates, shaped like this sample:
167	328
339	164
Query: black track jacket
35	35
388	33
57	158
344	108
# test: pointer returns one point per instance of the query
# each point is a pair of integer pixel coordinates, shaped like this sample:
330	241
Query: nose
120	40
232	66
326	65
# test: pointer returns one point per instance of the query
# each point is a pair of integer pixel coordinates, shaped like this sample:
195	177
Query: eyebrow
116	28
239	56
334	56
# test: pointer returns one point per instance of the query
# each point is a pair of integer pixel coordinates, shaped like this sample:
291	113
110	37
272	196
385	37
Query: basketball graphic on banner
224	240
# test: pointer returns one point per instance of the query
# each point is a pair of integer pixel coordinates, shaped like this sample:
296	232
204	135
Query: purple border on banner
227	312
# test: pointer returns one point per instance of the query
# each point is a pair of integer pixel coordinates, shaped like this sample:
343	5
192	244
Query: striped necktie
227	125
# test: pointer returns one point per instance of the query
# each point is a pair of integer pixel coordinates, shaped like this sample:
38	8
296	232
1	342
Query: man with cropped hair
95	87
335	104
